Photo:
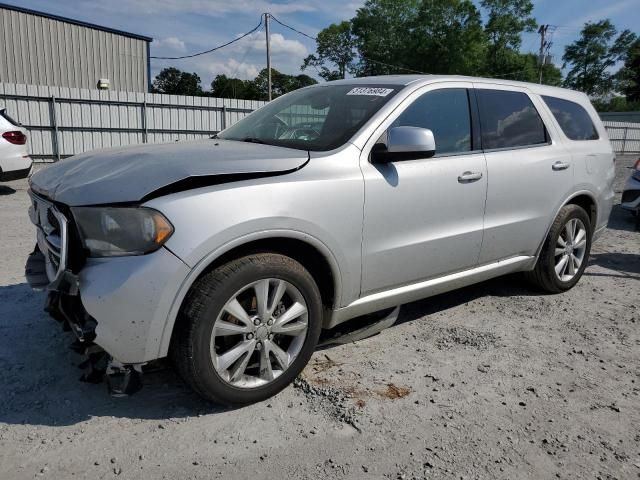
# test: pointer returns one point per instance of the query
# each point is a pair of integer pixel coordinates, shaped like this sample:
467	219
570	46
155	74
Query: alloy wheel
570	249
259	332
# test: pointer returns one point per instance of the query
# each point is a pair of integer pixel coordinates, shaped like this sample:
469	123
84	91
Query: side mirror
406	143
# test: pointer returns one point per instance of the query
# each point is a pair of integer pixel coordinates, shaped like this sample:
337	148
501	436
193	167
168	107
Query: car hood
132	174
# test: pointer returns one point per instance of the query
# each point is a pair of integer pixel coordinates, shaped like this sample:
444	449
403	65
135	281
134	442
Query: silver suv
230	255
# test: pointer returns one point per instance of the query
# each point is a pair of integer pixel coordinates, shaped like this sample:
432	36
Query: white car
631	192
15	162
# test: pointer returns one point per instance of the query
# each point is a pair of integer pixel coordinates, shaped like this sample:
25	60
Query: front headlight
114	231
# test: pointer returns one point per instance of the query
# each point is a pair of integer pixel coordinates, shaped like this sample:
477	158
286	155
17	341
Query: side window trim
476	128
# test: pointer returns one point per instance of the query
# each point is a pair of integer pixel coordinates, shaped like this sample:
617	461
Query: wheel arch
584	199
588	204
309	251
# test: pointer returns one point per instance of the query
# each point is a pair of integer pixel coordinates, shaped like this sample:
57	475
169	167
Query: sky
181	27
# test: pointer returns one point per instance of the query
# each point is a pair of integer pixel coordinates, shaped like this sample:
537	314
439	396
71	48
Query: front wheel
248	328
565	253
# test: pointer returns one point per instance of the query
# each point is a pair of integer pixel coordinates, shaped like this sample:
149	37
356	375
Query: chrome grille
51	234
53	221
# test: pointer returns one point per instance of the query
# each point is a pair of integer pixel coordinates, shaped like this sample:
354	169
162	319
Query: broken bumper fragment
116	307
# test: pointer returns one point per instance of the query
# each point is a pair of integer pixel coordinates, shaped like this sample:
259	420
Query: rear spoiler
5	115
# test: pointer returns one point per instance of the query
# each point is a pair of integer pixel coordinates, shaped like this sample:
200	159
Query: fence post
145	132
624	140
224	117
54	123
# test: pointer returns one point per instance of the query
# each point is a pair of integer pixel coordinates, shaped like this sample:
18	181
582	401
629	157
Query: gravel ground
492	381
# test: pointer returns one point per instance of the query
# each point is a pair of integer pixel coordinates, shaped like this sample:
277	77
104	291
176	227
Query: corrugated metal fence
624	130
66	121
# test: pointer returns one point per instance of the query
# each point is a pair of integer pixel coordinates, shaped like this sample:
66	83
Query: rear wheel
248	328
565	253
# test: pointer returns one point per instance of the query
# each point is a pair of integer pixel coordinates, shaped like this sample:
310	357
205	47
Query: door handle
468	177
560	166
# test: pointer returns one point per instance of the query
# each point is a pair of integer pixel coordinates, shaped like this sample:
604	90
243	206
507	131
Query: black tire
543	276
190	347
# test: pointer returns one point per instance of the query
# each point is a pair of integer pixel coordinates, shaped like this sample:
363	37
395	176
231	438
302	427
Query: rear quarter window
574	120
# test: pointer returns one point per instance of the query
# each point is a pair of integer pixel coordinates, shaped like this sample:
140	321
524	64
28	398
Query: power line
214	48
291	28
235	71
311	37
362	56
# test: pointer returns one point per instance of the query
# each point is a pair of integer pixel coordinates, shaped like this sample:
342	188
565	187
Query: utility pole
546	35
266	22
541	57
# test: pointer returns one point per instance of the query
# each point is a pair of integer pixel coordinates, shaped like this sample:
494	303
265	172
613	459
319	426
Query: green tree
506	21
629	75
176	82
526	69
382	29
616	104
447	38
335	52
442	36
281	83
591	57
225	87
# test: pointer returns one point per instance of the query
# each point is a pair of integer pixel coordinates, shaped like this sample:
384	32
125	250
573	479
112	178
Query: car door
530	170
423	218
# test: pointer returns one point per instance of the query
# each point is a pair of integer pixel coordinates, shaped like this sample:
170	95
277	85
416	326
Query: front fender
321	204
167	326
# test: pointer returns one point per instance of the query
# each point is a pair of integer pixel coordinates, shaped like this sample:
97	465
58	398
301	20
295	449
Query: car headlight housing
120	231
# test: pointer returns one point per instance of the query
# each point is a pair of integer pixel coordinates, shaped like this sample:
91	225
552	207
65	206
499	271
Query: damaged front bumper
116	307
64	305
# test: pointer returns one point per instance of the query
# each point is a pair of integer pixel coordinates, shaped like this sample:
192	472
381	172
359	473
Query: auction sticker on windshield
376	92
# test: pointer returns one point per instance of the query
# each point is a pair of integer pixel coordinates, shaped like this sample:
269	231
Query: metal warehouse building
41	49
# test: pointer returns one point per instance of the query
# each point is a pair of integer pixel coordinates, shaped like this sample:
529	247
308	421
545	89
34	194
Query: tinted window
446	113
509	119
573	119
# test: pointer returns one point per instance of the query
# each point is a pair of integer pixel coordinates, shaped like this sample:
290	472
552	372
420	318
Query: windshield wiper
253	140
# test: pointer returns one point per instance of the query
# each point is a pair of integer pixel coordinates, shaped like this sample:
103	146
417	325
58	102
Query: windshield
316	118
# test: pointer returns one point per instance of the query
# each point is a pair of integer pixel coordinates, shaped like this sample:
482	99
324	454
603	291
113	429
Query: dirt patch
394	392
322	364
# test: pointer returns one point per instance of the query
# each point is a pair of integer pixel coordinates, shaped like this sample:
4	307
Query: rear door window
573	119
509	120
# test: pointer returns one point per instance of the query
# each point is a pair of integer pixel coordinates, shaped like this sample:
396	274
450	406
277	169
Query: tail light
15	137
637	164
